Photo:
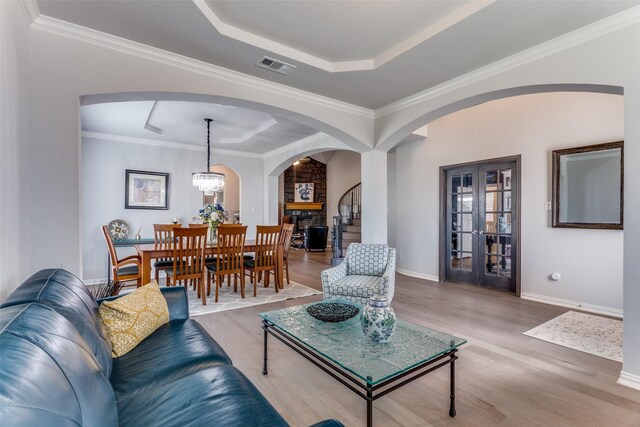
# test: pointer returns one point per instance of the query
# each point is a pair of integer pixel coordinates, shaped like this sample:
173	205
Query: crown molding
30	9
164	144
613	23
88	35
368	64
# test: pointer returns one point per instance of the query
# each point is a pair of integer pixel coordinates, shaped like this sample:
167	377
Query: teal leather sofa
56	367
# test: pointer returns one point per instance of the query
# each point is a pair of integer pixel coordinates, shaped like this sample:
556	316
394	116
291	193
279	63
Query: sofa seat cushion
219	395
369	259
174	350
359	288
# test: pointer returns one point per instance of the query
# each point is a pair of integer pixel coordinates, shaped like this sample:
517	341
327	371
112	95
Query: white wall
343	172
14	146
103	166
590	261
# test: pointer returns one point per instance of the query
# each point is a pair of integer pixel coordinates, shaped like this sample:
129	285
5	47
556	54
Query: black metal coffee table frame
367	391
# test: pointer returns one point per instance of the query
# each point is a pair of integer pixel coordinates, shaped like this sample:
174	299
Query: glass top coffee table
370	370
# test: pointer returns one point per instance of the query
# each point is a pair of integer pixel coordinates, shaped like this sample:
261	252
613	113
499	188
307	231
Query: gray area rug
591	334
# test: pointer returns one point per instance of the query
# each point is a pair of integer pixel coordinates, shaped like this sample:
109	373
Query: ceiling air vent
275	65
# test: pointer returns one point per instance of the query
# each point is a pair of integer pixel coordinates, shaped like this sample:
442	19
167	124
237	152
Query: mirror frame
557	154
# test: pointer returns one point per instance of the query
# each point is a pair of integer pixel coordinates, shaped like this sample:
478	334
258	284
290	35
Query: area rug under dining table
229	300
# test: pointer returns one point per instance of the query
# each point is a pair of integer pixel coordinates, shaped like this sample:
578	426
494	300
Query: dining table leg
146	267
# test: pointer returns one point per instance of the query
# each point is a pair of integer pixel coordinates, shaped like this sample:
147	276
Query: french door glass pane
467	183
491	201
466	222
506	201
456	183
504	223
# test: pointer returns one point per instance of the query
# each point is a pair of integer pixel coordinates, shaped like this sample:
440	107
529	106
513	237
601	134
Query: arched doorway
229	195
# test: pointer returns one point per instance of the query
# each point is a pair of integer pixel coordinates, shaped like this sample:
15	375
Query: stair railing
349	204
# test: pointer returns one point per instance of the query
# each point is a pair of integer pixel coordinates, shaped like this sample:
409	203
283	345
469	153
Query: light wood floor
503	377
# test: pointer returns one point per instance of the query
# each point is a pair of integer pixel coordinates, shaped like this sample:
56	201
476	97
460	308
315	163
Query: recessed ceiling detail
337	36
233	128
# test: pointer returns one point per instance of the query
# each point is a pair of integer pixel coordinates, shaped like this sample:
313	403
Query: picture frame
146	190
303	192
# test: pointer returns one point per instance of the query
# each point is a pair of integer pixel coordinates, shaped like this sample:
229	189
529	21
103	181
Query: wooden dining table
149	252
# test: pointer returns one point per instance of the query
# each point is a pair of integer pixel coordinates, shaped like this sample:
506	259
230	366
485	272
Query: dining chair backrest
230	249
285	236
112	250
229	225
198	225
163	233
188	252
267	239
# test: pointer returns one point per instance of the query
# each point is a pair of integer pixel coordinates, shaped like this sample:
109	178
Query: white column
374	196
630	375
270	200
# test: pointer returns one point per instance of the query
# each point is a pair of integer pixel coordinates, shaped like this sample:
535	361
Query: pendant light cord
208	144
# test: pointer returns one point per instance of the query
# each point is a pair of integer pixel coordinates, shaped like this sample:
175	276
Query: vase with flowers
213	214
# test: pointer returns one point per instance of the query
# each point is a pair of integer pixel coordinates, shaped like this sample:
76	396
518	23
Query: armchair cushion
367	259
356	288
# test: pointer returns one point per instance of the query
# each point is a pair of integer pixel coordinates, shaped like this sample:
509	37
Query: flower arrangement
213	214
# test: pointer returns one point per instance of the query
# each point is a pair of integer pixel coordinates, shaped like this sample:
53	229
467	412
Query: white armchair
368	269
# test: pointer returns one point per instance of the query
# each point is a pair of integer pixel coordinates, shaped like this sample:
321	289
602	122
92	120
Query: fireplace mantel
304	206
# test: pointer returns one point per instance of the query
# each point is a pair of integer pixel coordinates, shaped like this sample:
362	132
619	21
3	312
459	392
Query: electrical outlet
547	206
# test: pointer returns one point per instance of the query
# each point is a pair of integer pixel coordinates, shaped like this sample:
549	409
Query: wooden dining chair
188	259
163	233
125	269
229	261
265	261
285	241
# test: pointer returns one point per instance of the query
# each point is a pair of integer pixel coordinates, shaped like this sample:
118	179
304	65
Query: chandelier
209	182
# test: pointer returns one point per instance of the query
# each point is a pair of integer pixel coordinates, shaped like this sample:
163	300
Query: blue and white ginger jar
378	320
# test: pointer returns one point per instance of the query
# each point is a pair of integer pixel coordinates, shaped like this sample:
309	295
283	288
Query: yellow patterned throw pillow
133	317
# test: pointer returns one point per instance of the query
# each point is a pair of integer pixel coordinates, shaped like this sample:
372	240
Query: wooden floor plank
503	378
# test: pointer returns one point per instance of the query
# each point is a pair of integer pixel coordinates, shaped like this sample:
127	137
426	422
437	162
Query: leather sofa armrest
177	302
328	423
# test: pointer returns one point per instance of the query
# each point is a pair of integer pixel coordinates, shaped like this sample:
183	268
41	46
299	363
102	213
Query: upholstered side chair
368	269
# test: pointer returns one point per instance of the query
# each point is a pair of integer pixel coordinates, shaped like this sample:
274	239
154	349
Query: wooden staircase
349	208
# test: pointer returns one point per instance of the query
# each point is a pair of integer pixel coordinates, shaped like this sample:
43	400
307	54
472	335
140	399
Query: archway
312	122
391	137
229	195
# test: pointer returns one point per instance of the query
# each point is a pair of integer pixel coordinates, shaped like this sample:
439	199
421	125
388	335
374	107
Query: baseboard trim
598	309
629	380
417	275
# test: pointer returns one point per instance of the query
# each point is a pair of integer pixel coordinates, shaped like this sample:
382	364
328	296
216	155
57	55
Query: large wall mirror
588	185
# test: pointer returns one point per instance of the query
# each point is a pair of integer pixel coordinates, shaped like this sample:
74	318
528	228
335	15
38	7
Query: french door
481	223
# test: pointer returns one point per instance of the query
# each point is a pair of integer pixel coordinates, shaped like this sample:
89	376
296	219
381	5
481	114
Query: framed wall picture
146	190
303	192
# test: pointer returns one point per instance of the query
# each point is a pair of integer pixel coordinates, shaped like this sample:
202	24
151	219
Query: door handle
481	232
474	232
